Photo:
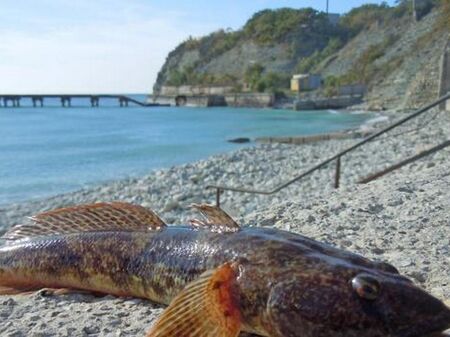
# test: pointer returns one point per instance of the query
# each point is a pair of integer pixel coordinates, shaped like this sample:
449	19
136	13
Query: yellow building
305	82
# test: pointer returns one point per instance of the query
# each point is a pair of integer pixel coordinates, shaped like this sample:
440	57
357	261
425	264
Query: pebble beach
401	218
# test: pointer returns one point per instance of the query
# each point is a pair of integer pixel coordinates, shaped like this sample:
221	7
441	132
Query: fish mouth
433	327
438	334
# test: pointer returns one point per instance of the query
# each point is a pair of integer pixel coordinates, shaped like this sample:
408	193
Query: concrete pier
66	100
15	101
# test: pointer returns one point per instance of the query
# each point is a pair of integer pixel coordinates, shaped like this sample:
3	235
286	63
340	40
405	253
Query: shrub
307	64
363	17
444	15
177	78
261	86
275	81
253	75
365	68
191	43
269	26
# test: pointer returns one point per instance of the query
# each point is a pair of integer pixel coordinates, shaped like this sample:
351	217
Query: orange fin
207	307
216	219
114	216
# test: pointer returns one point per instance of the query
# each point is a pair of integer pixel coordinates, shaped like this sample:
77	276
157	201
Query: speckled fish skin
288	285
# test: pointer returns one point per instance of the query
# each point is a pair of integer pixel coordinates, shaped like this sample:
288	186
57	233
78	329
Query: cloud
115	48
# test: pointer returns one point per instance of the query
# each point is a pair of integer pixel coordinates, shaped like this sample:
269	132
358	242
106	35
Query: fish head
348	303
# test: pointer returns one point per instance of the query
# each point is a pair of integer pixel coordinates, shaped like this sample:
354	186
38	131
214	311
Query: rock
239	140
377	251
171	205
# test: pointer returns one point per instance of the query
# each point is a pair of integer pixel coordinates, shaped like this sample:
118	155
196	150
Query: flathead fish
217	278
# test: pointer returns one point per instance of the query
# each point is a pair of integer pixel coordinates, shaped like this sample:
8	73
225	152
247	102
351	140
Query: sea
51	150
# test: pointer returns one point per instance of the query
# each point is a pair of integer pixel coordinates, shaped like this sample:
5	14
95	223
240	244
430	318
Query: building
334	18
305	82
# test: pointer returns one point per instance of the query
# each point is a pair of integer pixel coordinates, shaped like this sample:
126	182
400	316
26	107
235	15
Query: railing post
218	197
337	176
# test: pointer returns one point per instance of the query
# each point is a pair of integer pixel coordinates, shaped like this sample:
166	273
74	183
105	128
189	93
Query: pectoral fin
207	307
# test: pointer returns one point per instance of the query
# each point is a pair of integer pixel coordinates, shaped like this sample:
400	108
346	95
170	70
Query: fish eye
366	286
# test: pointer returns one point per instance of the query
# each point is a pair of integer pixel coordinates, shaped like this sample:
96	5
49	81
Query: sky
112	46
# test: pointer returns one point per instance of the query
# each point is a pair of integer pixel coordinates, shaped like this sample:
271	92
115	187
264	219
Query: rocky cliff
396	57
399	61
268	46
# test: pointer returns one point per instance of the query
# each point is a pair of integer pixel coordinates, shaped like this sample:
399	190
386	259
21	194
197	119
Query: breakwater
255	100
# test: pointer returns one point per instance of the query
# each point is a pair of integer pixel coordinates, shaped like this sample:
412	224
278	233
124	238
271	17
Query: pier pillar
123	101
95	101
66	100
6	101
36	100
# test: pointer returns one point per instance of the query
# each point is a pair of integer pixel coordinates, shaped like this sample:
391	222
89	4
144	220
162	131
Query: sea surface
50	150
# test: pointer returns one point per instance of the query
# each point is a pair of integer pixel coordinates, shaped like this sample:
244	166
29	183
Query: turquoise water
45	151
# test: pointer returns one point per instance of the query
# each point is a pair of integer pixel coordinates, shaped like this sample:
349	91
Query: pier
15	101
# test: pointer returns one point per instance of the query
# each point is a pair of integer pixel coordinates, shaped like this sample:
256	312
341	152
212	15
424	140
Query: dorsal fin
216	219
114	216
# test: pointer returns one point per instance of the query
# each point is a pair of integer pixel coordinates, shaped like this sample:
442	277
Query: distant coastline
390	59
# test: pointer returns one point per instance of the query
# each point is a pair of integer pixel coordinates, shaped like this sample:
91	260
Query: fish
216	278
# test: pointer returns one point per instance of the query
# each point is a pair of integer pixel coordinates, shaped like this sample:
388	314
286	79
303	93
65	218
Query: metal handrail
337	157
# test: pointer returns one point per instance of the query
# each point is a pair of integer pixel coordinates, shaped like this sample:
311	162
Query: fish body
266	281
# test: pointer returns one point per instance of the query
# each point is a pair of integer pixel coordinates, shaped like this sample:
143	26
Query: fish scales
155	265
259	280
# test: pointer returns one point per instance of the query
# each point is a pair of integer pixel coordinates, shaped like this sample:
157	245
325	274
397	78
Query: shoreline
356	132
34	176
401	219
362	128
170	191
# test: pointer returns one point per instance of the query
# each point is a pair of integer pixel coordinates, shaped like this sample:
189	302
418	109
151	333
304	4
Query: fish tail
66	248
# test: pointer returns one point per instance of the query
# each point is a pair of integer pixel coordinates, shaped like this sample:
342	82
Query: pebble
401	218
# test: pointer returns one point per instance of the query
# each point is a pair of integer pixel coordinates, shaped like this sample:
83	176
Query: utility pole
414	12
327	6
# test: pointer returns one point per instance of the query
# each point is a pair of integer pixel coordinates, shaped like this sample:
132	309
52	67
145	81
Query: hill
377	45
